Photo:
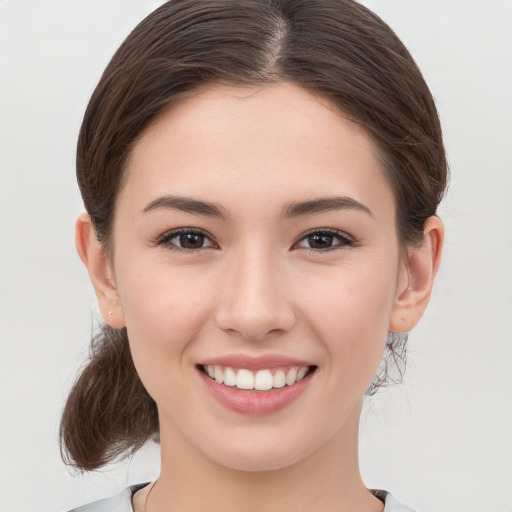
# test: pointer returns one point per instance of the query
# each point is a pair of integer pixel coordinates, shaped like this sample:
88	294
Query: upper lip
255	363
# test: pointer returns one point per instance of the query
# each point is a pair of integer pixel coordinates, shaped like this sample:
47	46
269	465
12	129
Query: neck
327	480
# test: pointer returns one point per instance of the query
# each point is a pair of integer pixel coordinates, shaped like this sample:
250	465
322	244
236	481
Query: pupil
191	241
320	241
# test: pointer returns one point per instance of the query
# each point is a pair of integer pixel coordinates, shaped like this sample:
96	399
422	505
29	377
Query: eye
325	239
186	240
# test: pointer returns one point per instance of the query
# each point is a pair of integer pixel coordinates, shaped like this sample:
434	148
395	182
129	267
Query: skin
257	287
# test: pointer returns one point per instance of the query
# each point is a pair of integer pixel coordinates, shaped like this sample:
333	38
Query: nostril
254	310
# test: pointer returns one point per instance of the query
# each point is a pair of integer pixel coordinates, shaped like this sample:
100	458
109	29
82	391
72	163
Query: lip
255	363
254	403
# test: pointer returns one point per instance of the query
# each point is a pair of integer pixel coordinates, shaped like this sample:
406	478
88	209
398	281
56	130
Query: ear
417	276
94	258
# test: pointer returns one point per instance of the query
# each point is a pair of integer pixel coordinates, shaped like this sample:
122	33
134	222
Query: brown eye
325	240
186	240
191	240
320	241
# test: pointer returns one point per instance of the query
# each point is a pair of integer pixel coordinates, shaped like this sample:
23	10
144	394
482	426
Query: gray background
442	442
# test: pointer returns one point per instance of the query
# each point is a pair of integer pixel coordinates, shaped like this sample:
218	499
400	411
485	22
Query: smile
261	380
255	386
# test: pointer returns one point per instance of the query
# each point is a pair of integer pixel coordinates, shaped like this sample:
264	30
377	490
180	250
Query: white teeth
262	380
219	375
229	377
244	379
301	373
279	379
291	376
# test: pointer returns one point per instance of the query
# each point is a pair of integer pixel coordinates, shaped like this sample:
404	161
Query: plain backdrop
442	441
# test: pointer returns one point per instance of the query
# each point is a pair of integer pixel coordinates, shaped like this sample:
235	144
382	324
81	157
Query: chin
257	462
262	455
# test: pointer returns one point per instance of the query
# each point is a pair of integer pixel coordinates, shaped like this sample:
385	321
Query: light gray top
122	502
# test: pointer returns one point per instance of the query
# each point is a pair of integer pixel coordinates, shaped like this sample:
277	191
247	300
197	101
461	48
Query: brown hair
336	49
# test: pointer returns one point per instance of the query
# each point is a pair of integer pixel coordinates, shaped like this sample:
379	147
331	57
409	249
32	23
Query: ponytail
108	414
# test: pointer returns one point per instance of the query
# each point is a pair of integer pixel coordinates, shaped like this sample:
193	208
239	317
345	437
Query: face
254	241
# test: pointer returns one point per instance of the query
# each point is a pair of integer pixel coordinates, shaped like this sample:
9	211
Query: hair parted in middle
336	49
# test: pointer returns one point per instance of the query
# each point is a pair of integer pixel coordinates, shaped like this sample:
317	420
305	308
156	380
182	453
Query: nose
253	298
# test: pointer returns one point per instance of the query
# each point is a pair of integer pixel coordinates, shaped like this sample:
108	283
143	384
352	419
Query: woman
261	182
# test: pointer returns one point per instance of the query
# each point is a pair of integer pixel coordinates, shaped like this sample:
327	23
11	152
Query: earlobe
417	278
94	258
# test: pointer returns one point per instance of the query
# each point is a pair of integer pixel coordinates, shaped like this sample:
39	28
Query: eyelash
343	240
166	238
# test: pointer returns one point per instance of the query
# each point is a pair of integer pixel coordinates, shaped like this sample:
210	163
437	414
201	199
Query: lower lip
256	403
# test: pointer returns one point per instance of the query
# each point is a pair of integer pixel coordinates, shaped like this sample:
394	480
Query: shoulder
391	504
121	502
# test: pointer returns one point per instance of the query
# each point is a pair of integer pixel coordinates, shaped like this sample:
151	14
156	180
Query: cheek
350	314
163	317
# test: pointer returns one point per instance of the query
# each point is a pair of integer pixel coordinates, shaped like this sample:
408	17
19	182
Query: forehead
271	143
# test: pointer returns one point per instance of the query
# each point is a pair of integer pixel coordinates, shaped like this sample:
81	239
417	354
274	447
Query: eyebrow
293	209
186	204
323	204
